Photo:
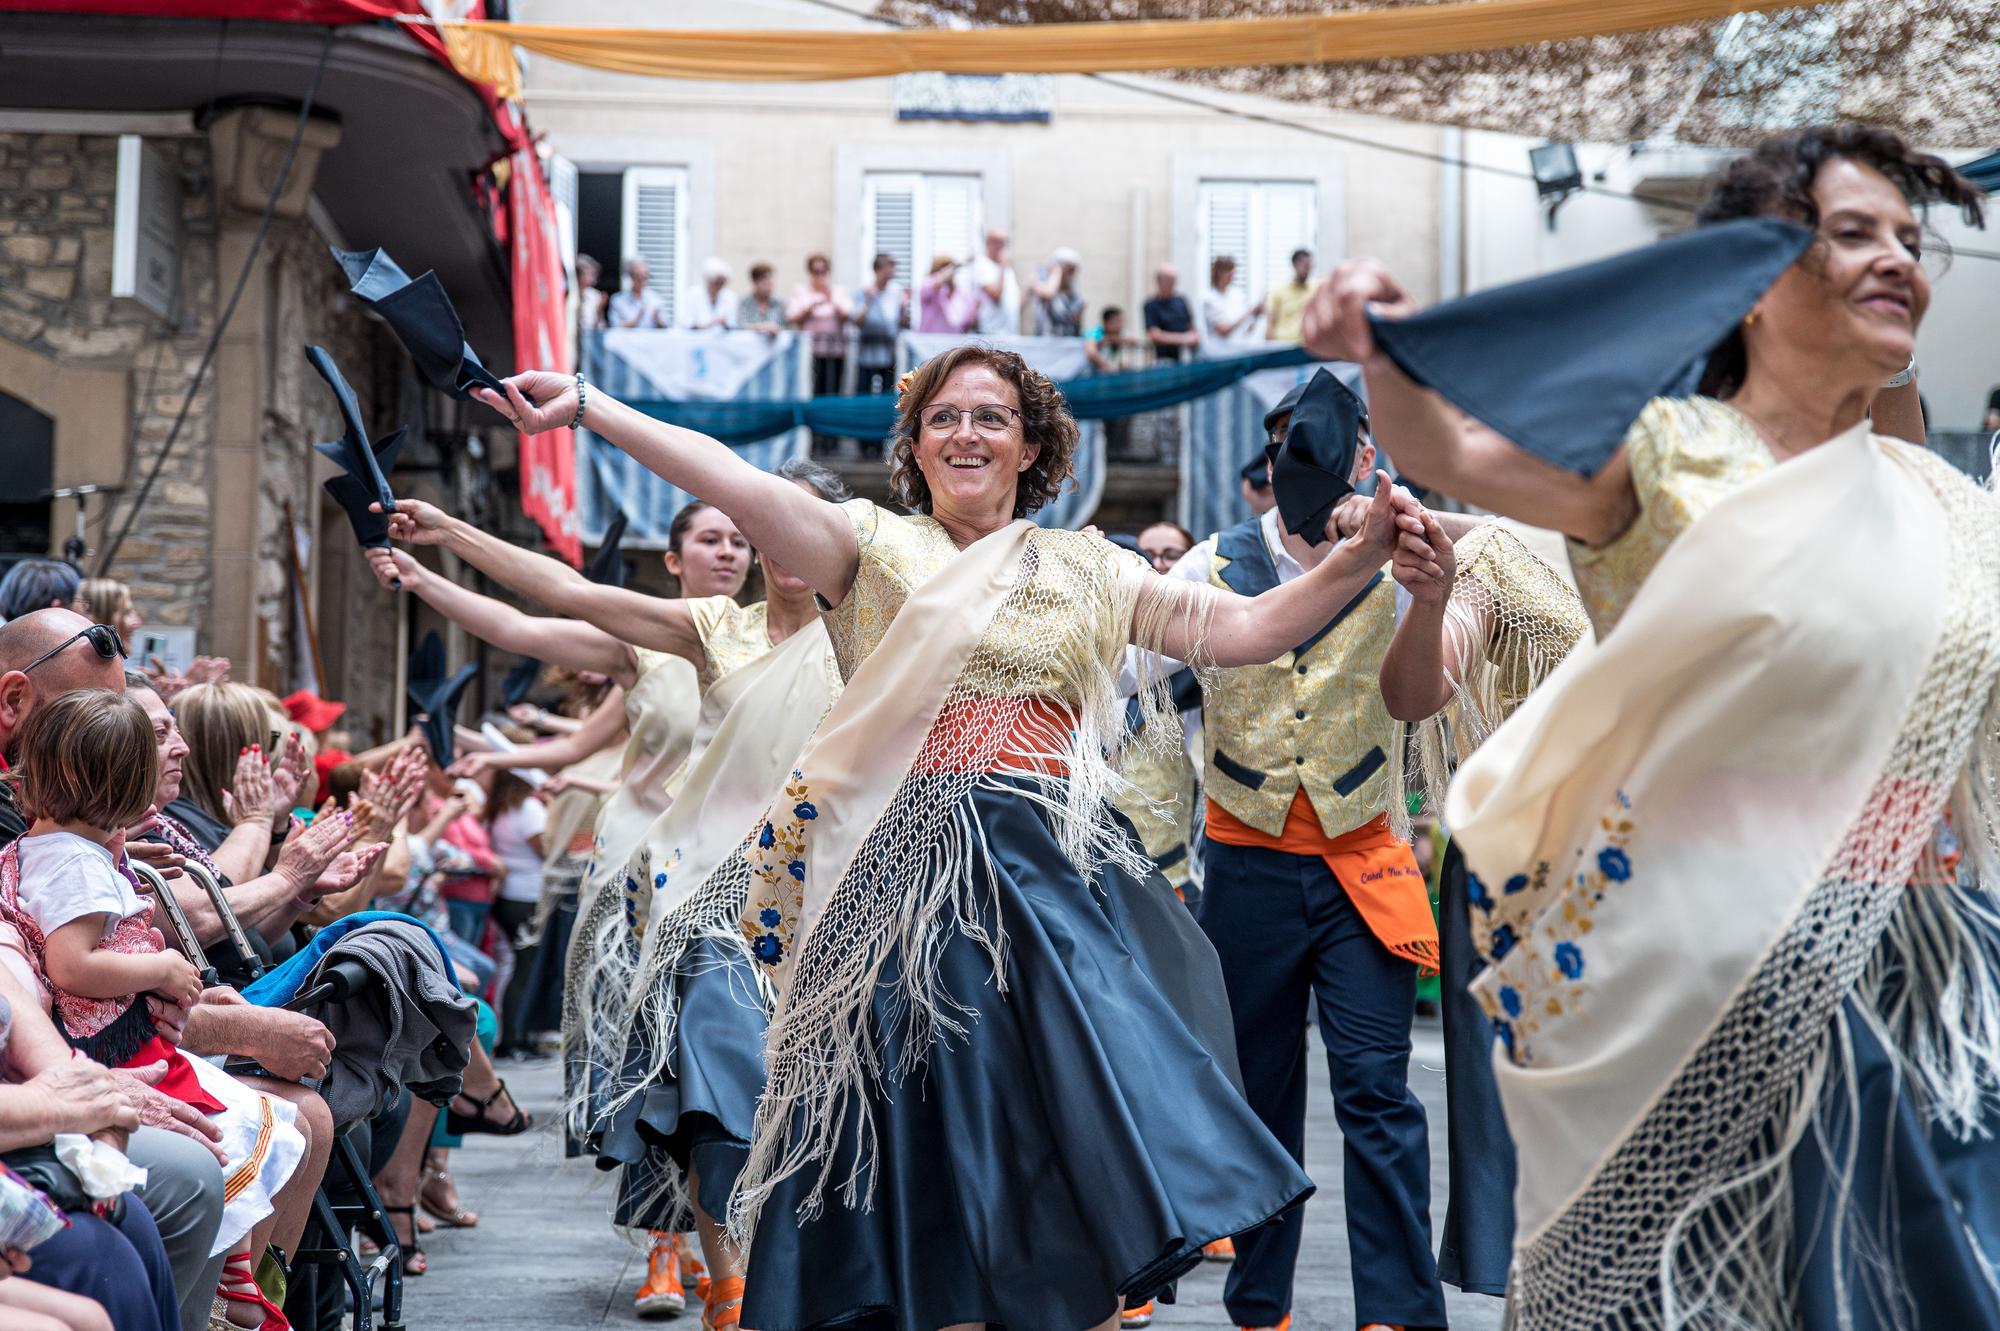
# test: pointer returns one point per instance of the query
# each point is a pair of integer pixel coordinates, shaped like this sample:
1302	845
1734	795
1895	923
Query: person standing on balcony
1226	312
998	290
1169	321
941	306
709	305
762	313
821	310
638	305
1058	307
881	312
1287	303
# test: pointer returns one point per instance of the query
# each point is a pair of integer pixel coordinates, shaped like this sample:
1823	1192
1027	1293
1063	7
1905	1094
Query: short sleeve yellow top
1072	597
1685	455
732	636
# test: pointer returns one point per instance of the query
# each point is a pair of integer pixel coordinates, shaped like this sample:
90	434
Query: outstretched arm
660	622
805	533
563	641
1433	648
599	730
1440	446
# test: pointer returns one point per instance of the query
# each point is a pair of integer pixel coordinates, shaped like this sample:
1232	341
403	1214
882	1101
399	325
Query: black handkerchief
1311	472
436	695
423	320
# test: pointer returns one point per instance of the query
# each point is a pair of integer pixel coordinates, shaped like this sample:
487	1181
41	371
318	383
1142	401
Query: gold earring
1750	319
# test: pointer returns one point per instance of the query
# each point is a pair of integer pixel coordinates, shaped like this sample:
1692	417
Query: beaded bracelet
577	419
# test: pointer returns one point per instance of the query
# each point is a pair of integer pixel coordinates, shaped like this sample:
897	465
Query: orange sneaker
662	1295
694	1270
1222	1250
1136	1315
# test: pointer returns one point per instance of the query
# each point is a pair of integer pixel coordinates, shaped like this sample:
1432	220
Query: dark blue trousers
124	1268
1286	931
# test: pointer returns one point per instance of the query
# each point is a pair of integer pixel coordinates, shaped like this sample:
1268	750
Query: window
916	217
654	227
27	459
1258	223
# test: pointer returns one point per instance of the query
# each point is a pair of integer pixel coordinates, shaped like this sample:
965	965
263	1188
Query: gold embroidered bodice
1070	593
732	635
1685	455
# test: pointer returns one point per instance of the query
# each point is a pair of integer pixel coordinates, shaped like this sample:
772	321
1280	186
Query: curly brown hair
1045	421
1775	179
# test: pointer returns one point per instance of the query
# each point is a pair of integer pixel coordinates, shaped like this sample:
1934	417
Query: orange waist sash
1374	866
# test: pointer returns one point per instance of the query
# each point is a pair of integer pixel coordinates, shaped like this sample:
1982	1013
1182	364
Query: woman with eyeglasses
1726	865
981	988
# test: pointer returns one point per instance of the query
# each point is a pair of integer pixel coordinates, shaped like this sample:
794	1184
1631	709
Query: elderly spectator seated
637	305
46	654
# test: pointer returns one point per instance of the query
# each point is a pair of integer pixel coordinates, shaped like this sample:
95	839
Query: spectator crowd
244	968
978	294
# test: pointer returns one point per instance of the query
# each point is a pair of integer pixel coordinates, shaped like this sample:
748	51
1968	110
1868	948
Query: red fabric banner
541	342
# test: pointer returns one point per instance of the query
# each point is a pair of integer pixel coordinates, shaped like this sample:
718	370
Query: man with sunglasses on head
44	655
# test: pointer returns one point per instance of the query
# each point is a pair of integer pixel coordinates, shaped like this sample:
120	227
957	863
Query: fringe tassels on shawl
922	875
1894	932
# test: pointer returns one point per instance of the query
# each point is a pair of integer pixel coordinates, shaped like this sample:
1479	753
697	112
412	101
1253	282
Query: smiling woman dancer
658	710
1726	862
977	983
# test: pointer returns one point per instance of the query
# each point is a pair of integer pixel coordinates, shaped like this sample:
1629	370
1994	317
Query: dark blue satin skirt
1925	1206
1083	1139
1476	1248
697	1112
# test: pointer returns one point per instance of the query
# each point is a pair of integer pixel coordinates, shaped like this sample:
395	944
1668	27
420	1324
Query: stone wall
56	198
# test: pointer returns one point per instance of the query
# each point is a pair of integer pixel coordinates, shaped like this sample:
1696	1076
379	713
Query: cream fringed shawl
1697	840
690	867
873	850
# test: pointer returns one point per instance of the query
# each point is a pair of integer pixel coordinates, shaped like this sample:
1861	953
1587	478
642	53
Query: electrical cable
1356	140
228	311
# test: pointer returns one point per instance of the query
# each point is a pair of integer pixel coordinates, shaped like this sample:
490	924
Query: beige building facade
1123	170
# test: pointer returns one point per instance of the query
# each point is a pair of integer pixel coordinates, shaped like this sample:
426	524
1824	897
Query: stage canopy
1692	71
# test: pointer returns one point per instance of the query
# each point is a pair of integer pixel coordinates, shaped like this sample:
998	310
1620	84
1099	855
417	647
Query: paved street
543	1256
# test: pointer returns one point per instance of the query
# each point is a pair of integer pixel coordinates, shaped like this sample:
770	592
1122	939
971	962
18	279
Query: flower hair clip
903	387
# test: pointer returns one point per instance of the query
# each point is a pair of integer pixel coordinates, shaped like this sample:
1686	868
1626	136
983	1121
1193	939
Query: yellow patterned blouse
732	635
1685	454
1071	592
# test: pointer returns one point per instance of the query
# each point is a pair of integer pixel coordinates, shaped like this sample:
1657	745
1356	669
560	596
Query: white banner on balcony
638	364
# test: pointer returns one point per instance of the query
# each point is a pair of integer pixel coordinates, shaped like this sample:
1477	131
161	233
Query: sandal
725	1304
414	1261
453	1214
239	1277
465	1124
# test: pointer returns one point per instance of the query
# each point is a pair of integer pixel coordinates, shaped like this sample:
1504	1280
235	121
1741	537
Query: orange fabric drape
481	50
1374	866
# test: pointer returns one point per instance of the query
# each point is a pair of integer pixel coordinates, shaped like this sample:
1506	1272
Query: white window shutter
656	228
1225	229
1288	224
890	210
955	215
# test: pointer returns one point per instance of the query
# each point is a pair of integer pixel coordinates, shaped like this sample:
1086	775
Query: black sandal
414	1261
466	1124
